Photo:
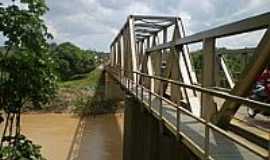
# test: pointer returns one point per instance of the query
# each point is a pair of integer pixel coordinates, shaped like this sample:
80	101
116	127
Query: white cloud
139	8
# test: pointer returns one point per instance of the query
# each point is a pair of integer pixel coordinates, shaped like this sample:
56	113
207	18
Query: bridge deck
192	131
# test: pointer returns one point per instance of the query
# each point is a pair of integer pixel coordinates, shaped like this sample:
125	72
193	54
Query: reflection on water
64	137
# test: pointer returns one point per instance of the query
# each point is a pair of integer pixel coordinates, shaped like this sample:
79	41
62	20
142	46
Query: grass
90	80
87	95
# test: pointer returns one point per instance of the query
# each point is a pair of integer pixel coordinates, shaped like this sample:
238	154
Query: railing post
162	69
137	79
178	119
161	94
120	75
123	76
150	95
131	83
209	108
142	93
128	83
206	140
124	79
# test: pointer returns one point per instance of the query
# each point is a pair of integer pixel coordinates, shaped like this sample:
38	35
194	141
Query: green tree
26	68
71	60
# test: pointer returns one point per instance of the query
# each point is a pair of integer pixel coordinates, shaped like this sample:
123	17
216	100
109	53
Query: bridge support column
143	139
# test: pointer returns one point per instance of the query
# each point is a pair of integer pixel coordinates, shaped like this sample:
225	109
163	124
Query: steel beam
209	107
142	35
146	30
132	46
226	71
139	17
246	25
247	80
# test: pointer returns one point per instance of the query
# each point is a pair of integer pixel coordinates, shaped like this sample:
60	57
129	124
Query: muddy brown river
65	137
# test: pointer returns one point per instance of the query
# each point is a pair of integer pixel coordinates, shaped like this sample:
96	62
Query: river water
65	137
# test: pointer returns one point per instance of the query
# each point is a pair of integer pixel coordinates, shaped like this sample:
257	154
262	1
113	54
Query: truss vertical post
141	55
122	54
218	76
112	55
116	53
119	50
149	65
148	42
165	35
132	45
209	60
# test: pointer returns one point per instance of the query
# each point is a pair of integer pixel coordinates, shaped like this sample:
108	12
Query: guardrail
117	72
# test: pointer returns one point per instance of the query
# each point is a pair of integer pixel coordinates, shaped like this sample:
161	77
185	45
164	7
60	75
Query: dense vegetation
235	59
72	61
29	68
69	61
26	71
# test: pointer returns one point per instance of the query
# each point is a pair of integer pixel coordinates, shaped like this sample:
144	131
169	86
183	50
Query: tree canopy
26	70
71	60
26	67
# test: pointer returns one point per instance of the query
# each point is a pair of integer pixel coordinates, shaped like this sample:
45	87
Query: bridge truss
152	51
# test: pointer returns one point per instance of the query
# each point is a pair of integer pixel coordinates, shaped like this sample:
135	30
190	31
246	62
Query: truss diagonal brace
244	85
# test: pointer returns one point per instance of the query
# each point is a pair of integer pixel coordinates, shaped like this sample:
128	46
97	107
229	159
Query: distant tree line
70	61
235	59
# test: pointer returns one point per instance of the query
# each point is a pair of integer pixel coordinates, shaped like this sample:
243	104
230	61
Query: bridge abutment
145	139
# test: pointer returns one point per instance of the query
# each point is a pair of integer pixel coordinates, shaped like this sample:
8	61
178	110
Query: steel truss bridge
150	59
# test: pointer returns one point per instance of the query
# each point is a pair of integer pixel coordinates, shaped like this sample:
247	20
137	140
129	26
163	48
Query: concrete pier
145	137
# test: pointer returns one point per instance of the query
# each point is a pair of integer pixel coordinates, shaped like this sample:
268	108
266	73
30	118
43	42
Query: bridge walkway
200	136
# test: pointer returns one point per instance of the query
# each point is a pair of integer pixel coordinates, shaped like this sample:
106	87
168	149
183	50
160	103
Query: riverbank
78	124
81	96
69	93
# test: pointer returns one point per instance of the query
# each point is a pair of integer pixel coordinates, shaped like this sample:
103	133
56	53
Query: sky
92	24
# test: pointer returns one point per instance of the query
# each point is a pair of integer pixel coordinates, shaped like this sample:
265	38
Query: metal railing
130	84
